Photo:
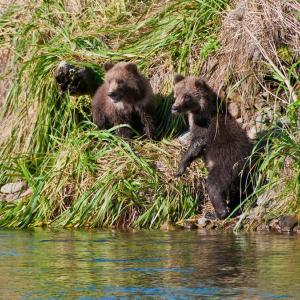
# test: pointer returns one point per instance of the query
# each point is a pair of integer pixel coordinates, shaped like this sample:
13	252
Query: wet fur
136	106
219	139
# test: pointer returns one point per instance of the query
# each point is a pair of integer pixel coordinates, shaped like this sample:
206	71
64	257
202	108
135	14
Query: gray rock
189	225
202	222
26	193
13	187
296	229
288	222
239	120
9	197
260	103
285	121
252	133
259	118
263	227
211	226
253	214
274	225
169	226
234	109
266	197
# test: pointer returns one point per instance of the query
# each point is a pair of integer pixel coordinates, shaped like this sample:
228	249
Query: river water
44	264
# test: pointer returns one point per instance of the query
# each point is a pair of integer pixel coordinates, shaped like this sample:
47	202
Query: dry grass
252	34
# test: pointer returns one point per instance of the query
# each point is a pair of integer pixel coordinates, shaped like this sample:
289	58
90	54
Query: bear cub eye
120	81
188	98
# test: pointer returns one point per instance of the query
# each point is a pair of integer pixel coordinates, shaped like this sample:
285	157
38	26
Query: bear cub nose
115	96
175	109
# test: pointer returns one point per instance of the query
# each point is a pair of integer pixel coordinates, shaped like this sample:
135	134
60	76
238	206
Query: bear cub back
125	97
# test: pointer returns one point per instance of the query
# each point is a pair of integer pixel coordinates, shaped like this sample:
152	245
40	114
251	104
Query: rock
202	222
274	225
253	214
234	109
260	103
26	193
252	133
265	95
211	215
169	226
189	225
240	120
296	229
266	197
288	222
9	197
259	119
263	228
13	187
211	226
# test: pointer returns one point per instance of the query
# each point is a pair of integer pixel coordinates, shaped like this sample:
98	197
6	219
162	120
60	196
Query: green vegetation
83	177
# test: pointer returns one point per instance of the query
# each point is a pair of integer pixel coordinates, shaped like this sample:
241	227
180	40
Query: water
147	265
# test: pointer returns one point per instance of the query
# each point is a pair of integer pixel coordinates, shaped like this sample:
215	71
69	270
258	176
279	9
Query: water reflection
148	264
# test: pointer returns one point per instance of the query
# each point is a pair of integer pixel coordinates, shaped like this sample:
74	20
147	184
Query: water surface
41	264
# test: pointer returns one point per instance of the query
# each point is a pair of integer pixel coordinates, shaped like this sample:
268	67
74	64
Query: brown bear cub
125	97
218	138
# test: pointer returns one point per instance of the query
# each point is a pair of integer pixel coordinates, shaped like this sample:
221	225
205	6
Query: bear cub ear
199	83
178	78
107	66
131	67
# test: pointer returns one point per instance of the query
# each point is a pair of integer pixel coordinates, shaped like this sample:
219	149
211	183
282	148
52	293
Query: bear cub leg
149	125
195	150
217	196
125	132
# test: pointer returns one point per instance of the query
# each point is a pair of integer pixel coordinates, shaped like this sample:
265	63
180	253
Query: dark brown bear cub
218	138
125	97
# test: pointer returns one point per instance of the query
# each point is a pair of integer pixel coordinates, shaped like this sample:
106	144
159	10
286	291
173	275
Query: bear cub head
193	95
124	82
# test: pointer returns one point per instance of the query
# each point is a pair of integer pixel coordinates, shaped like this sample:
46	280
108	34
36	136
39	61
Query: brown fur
125	97
215	136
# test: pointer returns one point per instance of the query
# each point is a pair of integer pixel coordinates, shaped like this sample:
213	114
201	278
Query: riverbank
76	176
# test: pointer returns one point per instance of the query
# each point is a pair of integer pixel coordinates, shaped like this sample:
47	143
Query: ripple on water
138	260
75	241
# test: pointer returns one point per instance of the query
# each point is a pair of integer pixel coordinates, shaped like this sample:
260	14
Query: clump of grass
81	185
277	155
